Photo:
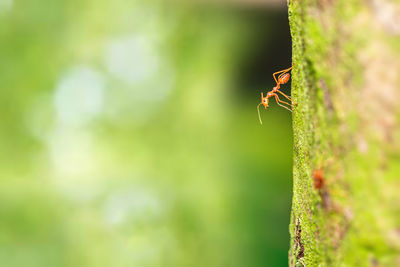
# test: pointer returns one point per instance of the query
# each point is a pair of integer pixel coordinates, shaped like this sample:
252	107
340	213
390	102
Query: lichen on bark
346	86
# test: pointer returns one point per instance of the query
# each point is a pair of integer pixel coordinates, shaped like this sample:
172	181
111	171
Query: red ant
319	181
282	79
320	185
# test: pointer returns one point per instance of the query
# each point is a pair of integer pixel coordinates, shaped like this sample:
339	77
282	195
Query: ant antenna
259	115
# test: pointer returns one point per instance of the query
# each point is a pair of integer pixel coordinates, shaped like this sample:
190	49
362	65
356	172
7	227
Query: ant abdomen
284	78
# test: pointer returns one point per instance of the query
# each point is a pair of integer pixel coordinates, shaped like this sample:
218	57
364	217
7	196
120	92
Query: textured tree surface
346	199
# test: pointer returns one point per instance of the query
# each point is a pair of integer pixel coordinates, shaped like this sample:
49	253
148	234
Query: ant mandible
283	78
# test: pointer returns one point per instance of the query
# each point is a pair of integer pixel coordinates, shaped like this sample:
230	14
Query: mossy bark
346	198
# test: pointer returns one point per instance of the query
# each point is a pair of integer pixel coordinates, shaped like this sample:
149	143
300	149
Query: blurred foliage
127	139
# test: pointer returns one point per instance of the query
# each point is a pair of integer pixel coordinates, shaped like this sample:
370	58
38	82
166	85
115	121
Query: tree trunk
346	189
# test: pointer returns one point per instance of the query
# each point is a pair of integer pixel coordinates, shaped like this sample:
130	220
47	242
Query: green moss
348	221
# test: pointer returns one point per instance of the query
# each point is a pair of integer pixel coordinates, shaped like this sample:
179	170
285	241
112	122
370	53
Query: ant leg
278	102
285	103
281	73
281	101
287	97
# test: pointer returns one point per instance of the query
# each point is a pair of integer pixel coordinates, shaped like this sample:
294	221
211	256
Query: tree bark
346	189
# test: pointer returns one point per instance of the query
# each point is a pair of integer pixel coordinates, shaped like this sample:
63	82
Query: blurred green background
130	134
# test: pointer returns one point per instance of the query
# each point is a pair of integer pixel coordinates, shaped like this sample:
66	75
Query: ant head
264	100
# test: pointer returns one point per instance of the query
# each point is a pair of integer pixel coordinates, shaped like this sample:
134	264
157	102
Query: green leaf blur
130	135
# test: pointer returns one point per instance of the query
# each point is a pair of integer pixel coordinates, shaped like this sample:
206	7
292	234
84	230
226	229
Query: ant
320	185
283	78
319	180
